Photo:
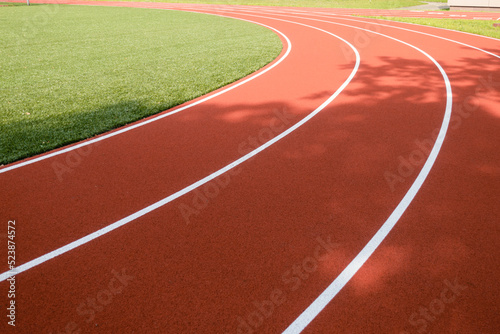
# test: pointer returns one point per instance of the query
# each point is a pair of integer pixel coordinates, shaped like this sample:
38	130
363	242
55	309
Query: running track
319	155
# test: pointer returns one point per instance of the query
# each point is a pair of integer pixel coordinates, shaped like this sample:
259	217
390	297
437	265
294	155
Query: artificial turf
71	72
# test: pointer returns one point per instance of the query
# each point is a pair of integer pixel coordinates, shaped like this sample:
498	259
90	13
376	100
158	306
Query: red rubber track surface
264	240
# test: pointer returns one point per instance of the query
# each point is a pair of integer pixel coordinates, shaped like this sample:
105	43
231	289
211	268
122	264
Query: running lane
251	250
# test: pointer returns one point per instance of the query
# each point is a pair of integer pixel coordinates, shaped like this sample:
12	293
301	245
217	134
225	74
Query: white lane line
349	18
319	14
334	288
132	217
312	311
150	120
427	34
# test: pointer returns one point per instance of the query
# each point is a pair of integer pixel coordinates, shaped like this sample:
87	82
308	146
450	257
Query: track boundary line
328	294
310	313
64	249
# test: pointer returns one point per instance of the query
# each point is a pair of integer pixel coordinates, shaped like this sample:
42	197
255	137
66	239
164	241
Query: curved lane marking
304	319
77	243
308	315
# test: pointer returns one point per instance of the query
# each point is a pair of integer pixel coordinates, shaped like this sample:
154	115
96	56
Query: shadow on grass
25	138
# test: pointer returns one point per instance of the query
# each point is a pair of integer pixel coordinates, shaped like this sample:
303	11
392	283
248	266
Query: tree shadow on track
385	121
442	236
326	180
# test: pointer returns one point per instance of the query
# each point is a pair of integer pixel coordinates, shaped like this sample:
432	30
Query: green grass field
479	27
69	73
